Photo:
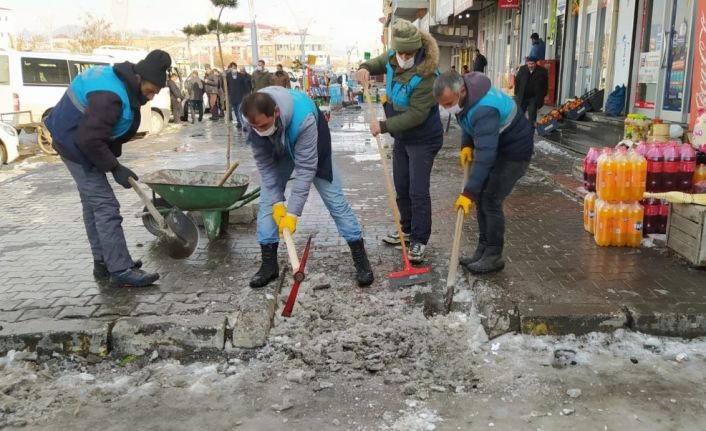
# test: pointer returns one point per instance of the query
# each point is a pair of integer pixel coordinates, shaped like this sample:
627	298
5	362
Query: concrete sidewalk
556	280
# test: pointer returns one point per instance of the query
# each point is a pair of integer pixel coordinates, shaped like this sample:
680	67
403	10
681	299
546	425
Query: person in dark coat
479	62
501	139
98	113
531	84
239	86
195	87
175	97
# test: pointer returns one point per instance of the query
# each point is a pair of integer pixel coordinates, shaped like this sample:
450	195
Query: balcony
408	9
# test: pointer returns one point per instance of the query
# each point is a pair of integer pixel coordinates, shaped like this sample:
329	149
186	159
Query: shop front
663	59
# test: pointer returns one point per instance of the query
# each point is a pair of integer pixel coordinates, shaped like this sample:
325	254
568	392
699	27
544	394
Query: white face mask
269	132
404	64
260	68
454	109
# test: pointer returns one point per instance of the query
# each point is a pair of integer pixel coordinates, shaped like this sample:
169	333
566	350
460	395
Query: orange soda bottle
622	175
589	212
605	176
700	173
602	226
618	215
636	213
638	174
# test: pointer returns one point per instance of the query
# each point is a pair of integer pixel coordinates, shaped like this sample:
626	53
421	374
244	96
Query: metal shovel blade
181	237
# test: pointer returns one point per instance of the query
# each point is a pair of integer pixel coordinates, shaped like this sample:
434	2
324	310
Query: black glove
121	174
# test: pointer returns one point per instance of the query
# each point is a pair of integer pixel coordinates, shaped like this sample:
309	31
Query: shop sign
560	7
698	84
508	4
648	71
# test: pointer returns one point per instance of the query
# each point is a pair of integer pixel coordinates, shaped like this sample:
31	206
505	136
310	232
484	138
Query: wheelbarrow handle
148	203
228	173
291	250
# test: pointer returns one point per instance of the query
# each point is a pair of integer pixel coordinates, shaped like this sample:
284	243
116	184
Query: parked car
9	143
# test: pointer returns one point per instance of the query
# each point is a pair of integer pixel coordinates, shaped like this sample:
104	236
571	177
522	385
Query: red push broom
409	275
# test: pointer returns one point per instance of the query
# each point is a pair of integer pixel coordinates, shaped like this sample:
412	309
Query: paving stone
114	310
142	335
678	320
10	316
69	301
64	336
39	313
147	309
252	323
74	312
578	319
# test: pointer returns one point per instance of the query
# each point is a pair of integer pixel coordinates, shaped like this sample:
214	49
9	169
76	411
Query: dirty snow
549	148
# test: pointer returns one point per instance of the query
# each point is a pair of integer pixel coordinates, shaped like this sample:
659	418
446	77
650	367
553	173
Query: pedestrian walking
211	88
238	87
537	47
479	62
290	138
175	97
261	78
195	87
98	113
531	84
501	139
412	118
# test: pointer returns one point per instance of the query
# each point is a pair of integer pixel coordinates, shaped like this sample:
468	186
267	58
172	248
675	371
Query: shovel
179	234
409	275
432	306
228	173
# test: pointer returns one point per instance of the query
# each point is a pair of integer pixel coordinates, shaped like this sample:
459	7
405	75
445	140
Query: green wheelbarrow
196	191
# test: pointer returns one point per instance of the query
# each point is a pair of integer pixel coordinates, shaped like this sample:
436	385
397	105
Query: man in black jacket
175	97
531	83
479	62
99	112
239	86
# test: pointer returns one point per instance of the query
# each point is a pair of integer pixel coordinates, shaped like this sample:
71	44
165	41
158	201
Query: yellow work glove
289	221
466	156
278	212
464	203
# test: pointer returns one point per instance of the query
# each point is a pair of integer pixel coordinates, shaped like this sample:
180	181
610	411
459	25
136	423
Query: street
348	358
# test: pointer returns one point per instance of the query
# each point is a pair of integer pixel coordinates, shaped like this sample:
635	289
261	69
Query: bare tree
29	43
94	33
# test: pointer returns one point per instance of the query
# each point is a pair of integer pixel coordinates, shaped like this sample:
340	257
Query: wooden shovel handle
228	173
147	201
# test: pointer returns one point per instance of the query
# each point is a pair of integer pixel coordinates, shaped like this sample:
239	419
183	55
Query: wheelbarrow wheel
149	222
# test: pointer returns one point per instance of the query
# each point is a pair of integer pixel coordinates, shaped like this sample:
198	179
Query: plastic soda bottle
687	167
590	167
634	228
651	219
622	175
619	214
699	174
655	168
589	212
670	177
662	217
602	228
638	174
605	176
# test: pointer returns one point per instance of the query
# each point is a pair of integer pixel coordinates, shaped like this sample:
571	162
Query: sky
348	22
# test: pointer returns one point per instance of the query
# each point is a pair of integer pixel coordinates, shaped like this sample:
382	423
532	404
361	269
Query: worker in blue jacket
290	138
99	112
501	139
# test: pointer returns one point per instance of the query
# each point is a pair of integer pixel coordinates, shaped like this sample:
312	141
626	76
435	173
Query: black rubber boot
133	278
364	274
269	269
100	270
480	249
492	261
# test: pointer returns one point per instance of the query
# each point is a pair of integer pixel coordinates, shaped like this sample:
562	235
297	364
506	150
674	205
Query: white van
35	81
